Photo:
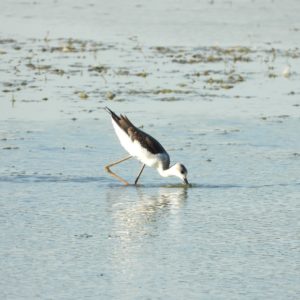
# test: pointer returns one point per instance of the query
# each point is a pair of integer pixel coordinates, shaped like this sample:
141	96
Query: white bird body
145	148
134	148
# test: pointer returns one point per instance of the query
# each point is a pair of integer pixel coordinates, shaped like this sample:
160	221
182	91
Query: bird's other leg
137	179
108	170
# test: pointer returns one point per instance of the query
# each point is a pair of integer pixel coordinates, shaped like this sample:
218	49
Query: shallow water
71	231
230	113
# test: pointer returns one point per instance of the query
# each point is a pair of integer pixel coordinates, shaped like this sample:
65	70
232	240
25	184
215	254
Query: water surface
218	90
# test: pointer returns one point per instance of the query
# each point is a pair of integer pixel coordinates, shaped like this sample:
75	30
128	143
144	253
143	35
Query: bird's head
181	172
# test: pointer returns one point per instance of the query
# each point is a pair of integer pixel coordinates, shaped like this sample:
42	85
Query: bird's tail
113	115
108	110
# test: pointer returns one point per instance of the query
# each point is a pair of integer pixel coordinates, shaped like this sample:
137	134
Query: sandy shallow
217	82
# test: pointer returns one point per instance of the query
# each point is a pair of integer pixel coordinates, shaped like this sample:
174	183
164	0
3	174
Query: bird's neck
166	172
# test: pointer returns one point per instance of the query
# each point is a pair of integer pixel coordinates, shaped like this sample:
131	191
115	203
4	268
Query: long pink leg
139	174
108	170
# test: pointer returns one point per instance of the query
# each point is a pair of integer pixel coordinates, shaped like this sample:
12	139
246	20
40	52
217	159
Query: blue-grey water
68	230
226	105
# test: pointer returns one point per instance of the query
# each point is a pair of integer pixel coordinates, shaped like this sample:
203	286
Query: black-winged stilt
143	147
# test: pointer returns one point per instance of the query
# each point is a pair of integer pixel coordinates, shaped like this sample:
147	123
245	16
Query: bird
143	147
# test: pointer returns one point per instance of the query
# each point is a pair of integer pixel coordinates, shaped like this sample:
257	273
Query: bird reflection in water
141	213
143	219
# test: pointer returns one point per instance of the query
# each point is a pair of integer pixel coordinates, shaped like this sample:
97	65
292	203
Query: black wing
146	140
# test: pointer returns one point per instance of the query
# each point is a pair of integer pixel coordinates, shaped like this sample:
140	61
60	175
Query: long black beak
186	181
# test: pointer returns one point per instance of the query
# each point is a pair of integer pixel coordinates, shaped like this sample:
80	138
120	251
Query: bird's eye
181	172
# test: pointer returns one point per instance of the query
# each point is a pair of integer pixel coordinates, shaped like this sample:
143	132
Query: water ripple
204	186
49	178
